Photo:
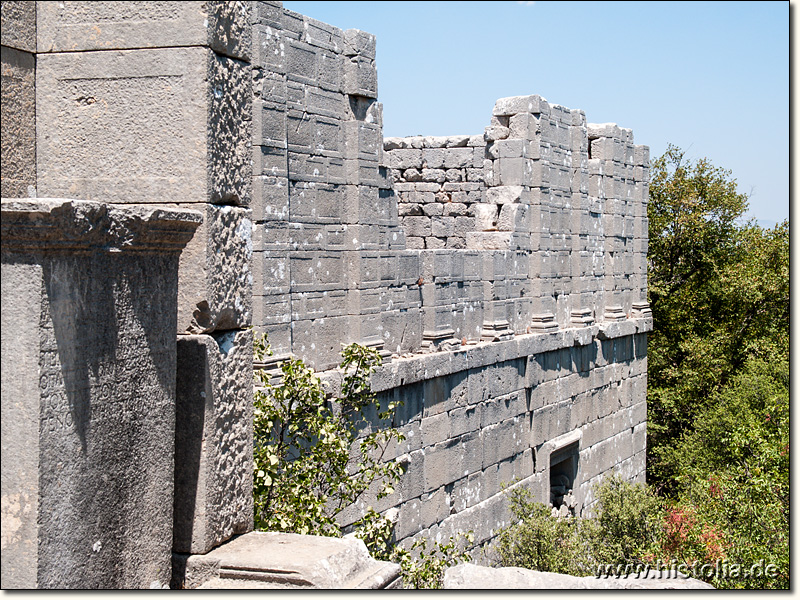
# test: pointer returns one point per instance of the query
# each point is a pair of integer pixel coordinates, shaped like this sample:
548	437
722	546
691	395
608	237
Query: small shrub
305	473
303	440
625	530
541	542
426	569
629	519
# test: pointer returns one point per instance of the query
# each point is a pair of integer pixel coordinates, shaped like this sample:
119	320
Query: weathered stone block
213	440
435	428
216	284
18	125
319	341
89	396
443	464
267	52
360	77
170	124
359	43
73	26
18	26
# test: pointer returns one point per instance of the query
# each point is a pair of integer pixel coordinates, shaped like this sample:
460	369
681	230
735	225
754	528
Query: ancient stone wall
150	103
18	126
501	274
88	411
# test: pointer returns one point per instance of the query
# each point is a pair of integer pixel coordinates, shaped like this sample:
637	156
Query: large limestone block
262	560
215	289
88	392
18	25
213	440
20	422
18	125
74	26
141	126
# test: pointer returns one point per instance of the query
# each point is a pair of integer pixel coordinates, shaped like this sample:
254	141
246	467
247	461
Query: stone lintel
74	225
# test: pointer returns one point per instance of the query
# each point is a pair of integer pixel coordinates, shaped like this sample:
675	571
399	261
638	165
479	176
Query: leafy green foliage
719	292
626	529
541	542
315	456
629	520
303	474
734	472
423	567
718	371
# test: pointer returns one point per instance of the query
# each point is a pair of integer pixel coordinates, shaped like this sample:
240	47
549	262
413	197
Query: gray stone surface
80	26
474	577
420	246
215	286
22	297
98	284
213	440
144	126
18	25
18	125
286	560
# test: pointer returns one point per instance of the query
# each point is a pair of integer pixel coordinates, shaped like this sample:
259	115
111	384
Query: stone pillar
152	103
88	392
18	126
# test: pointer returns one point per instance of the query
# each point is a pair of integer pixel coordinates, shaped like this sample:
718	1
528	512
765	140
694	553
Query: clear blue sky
709	77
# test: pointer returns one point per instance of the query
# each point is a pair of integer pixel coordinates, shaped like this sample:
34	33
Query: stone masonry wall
18	126
501	275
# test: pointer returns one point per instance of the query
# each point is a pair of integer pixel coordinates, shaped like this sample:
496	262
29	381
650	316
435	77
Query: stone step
269	560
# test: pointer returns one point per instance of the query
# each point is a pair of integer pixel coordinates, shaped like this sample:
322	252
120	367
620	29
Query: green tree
718	291
718	371
315	456
734	470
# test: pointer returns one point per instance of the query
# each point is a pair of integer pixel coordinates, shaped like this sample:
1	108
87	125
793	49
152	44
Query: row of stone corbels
475	399
531	216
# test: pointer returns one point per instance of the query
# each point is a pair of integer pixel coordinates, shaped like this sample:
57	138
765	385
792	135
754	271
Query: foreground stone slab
213	440
259	560
473	577
88	392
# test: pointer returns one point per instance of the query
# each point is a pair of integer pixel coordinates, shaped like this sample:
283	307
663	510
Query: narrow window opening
563	471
